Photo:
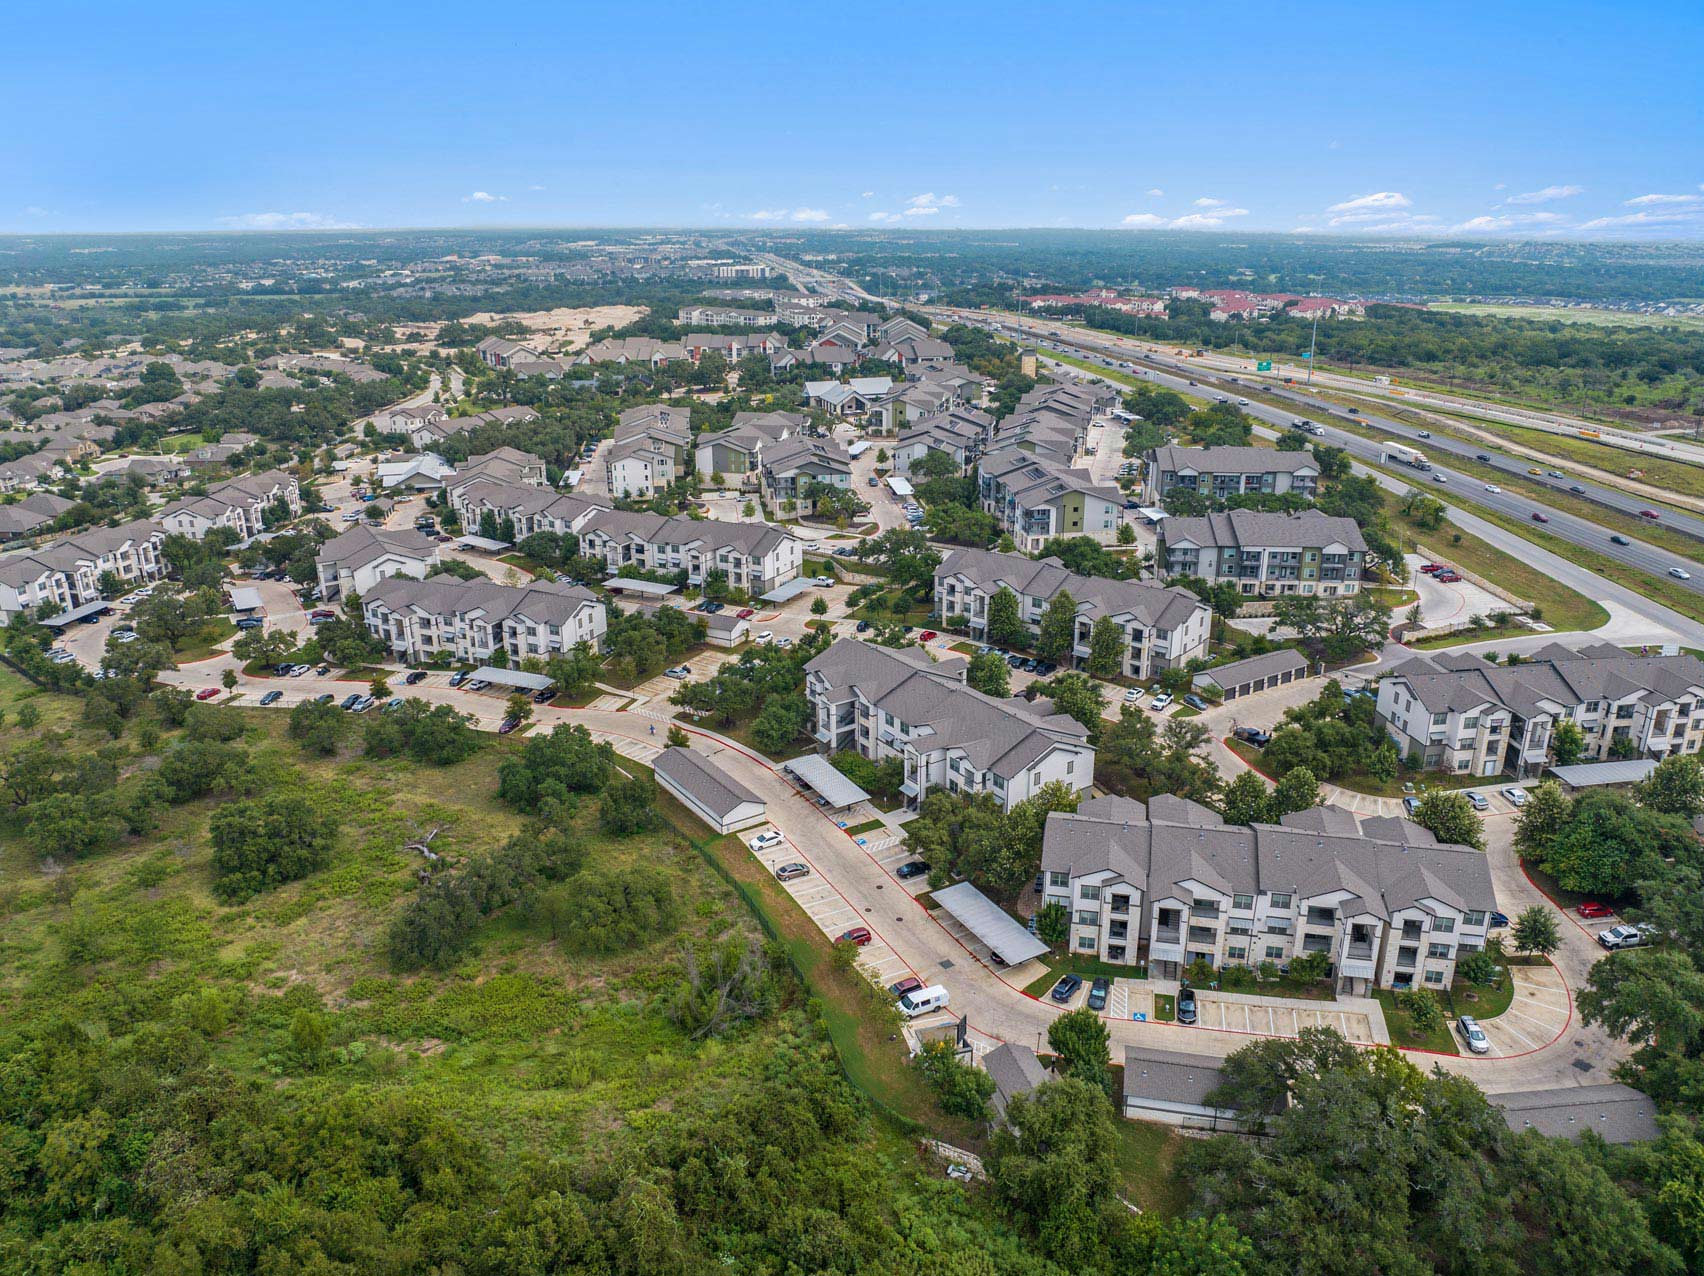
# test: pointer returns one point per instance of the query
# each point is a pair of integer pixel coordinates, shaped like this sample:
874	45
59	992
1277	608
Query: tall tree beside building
1106	648
1005	621
1058	627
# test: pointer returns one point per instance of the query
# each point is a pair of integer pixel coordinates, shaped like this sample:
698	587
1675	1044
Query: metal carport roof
245	598
513	678
990	923
819	774
626	584
1586	775
77	613
791	590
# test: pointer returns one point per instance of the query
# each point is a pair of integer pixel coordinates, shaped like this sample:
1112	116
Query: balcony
1202	935
1316	943
1206	912
1168	935
1405	958
1359	950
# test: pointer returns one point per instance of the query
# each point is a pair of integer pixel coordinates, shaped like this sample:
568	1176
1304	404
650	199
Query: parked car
1499	918
1039	883
1066	988
1429	568
911	983
1411	804
928	635
327	698
745	613
1477	801
1195	702
1186	1006
1473	1035
1133	696
413	679
507	725
763	841
863	627
545	696
679	671
1516	795
824	582
1591	909
392	705
916	868
206	693
351	700
1161	701
859	935
1625	937
322	613
1253	735
247	622
790	872
920	1001
1098	991
768	635
272	697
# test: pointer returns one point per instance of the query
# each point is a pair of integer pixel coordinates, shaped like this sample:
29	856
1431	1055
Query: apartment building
886	703
727	317
363	556
68	572
500	352
411	421
732	348
1170	884
1463	715
754	557
793	465
957	433
1035	499
1268	555
1164	628
529	509
850	398
472	620
1219	473
739	449
238	505
646	350
651	446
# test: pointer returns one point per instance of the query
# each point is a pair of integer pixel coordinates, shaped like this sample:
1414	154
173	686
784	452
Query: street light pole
1313	343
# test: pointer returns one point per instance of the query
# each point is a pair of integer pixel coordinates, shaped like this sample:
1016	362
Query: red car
746	613
1429	568
1647	513
928	635
859	935
1591	908
1540	518
1447	578
207	693
323	613
911	983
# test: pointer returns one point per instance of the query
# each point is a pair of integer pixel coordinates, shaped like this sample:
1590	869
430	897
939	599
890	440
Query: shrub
266	842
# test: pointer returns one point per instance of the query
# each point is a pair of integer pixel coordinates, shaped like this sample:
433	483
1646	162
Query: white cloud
1377	200
929	203
769	215
1205	202
483	197
1501	186
810	214
800	214
884	217
287	221
535	188
1644	218
1197	221
867	195
1189	221
1144	221
1493	223
919	211
1157	193
36	210
1657	201
1546	194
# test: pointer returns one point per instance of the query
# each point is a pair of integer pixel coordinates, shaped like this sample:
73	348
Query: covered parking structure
819	775
245	598
791	590
519	679
86	612
484	544
650	588
1594	775
1257	673
990	923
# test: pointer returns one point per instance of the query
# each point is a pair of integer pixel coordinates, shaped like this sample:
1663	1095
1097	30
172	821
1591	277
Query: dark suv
1066	988
1186	1006
1097	993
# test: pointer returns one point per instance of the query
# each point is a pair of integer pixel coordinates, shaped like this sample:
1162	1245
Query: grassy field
1659	471
1146	1152
1363	783
1570	314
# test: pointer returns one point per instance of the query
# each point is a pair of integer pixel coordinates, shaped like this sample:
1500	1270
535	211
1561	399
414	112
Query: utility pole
1313	343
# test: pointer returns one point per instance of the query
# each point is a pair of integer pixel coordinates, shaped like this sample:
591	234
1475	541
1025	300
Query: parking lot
1539	1013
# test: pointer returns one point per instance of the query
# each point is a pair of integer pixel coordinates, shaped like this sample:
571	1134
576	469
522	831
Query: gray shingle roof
1252	529
713	788
1153	606
1618	1113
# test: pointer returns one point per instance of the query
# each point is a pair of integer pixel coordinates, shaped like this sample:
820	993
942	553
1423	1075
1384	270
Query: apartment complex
1463	715
1267	555
752	556
1170	884
363	556
238	505
651	446
67	573
885	703
739	449
472	620
1035	499
1164	628
793	465
957	433
1219	473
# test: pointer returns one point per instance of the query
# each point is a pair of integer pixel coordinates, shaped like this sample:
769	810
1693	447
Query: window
1468	724
1087	942
1088	892
1434	976
1438	719
1438	950
1088	918
1474	919
1237	954
1070	765
1443	925
1274	950
1280	901
1243	903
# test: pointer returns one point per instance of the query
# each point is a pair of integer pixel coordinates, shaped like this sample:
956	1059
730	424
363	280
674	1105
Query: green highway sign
1265	365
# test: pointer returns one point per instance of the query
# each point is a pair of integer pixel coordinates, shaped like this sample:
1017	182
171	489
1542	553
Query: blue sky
1506	118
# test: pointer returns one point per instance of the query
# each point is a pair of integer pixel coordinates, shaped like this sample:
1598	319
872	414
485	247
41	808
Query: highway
1456	488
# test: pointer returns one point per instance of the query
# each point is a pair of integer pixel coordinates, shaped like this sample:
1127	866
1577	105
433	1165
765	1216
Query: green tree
1296	790
1053	923
1451	819
960	1089
519	707
1422	1009
819	606
1544	815
1126	534
1675	787
780	722
1079	697
1536	931
1058	628
1107	645
317	728
1005	620
1054	1165
1083	1044
1567	742
1245	800
264	842
990	675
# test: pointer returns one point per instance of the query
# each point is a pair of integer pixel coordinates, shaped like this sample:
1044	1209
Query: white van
922	1000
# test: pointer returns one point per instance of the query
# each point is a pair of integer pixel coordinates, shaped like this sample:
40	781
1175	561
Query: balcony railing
1361	951
1168	935
1208	912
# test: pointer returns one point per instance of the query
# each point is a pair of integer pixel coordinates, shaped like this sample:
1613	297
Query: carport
485	544
1592	775
96	608
1257	673
791	590
245	598
819	775
628	585
516	678
990	923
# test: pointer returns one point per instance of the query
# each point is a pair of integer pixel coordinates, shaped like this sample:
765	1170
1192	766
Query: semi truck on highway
1405	455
